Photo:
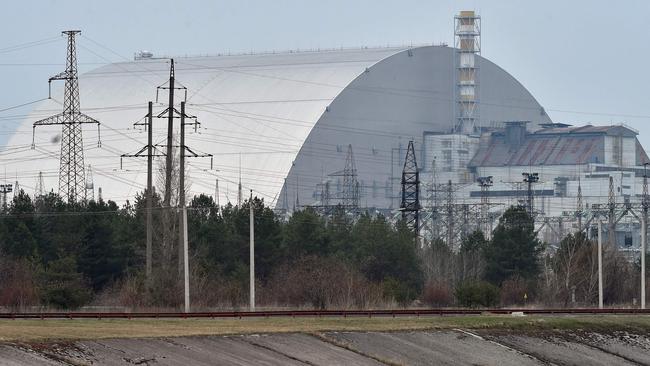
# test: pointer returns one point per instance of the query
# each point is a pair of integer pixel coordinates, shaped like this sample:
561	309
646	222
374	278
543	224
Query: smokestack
467	39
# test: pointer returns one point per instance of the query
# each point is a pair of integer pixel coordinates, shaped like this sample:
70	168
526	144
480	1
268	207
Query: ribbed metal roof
284	116
553	146
260	105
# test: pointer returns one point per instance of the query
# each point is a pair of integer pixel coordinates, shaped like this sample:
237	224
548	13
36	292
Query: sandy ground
433	347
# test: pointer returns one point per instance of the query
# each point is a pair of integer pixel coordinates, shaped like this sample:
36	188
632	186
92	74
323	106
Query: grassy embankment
51	330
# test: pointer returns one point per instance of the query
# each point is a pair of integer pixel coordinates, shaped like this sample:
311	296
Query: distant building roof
588	129
561	145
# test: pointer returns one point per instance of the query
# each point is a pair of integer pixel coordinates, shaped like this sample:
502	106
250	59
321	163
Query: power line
29	44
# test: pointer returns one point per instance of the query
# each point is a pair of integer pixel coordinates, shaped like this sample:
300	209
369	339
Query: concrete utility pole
644	231
600	264
149	189
216	193
252	254
239	191
170	113
183	245
181	194
149	148
183	218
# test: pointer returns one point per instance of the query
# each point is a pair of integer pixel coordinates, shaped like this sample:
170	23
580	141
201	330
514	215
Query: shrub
398	291
513	290
63	287
437	293
475	294
320	282
17	287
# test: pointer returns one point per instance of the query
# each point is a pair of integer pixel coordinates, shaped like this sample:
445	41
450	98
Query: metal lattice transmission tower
4	190
449	210
467	39
530	179
580	207
429	226
72	175
410	205
350	182
435	202
486	224
611	206
40	189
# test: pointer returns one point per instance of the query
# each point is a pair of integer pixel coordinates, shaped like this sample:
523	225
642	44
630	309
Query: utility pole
530	178
182	258
579	211
216	193
170	136
600	264
485	183
251	284
611	225
149	249
149	148
170	113
644	231
183	252
4	190
239	188
72	177
450	215
186	263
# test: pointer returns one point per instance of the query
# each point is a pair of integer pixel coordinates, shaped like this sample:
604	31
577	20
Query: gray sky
583	60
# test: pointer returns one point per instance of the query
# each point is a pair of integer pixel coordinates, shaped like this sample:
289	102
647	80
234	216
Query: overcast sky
584	61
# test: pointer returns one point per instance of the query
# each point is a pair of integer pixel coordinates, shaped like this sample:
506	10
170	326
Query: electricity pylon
72	177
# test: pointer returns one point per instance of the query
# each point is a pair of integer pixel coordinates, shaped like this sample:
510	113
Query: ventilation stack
467	40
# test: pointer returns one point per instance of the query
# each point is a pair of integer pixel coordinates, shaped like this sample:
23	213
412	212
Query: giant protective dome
279	118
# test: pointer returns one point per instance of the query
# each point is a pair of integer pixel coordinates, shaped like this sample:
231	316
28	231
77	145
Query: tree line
67	255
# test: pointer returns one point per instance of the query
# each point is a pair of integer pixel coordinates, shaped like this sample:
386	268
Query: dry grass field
35	330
